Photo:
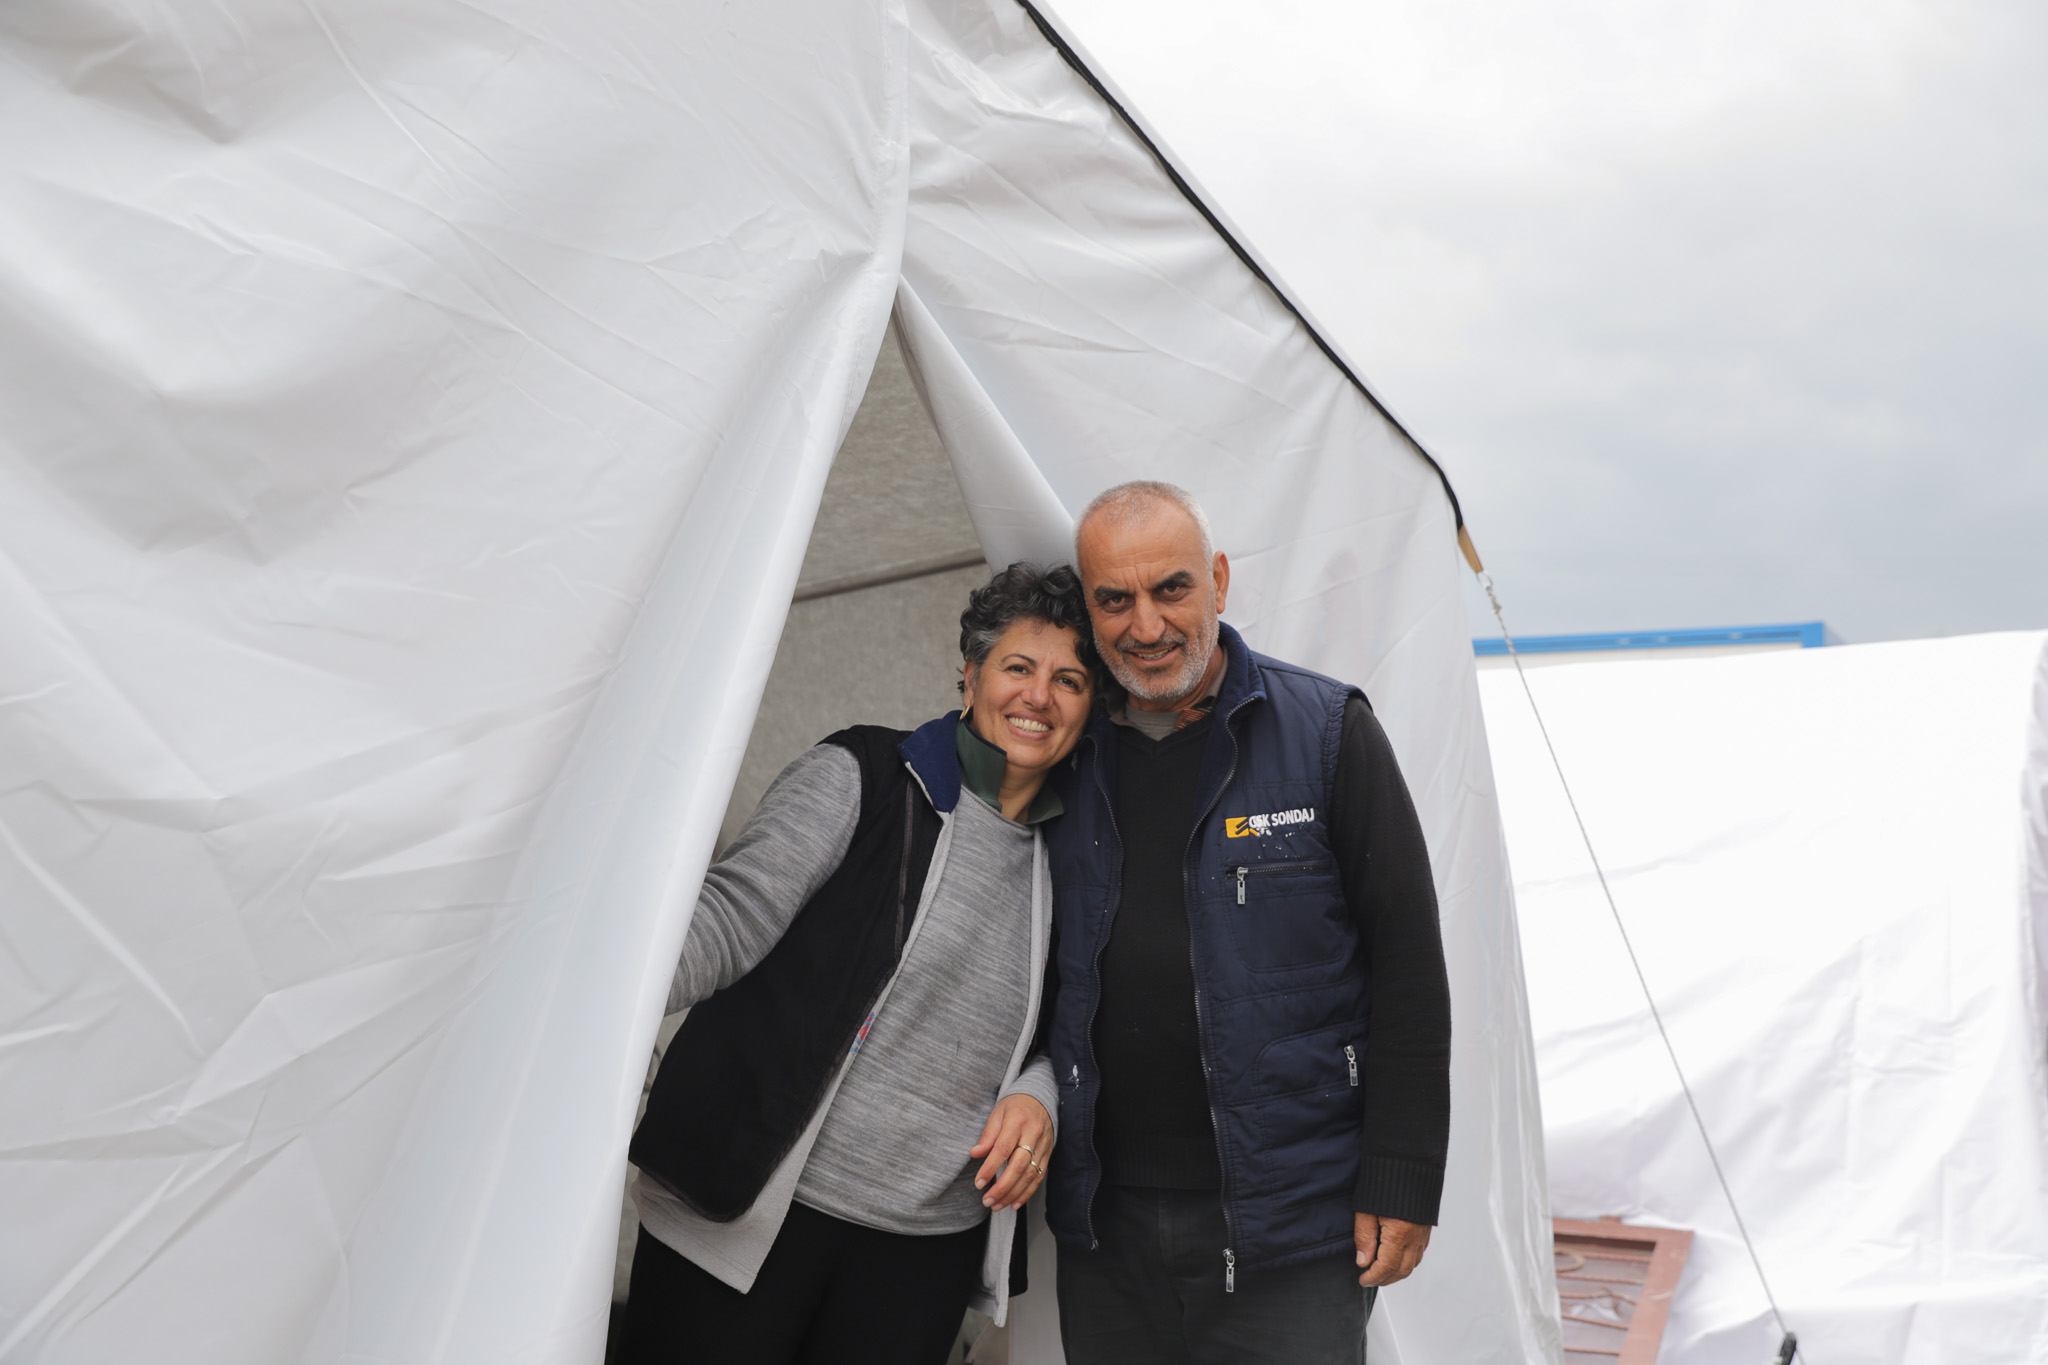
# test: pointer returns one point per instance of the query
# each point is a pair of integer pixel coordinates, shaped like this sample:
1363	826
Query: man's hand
1388	1249
1017	1142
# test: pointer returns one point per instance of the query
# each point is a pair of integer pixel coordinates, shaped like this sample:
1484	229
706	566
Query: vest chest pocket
1272	876
1286	913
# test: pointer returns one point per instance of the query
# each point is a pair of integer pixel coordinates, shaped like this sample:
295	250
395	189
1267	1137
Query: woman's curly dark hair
1027	592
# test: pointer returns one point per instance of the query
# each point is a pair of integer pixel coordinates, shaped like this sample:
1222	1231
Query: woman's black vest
750	1065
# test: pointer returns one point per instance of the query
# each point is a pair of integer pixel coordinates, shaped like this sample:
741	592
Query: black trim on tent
1073	59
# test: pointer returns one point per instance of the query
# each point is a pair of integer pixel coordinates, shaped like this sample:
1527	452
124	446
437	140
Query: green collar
981	771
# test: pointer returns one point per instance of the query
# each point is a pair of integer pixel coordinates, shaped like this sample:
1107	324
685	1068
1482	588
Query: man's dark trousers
1152	1293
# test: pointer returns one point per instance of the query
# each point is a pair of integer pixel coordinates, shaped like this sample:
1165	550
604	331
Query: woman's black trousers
830	1291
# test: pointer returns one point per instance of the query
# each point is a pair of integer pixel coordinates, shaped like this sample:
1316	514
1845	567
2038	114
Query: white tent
1834	866
414	420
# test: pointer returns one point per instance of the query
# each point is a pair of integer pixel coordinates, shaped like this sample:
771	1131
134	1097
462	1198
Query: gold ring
1036	1167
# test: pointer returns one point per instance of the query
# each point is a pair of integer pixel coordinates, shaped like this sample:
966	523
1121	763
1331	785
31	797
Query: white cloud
1717	314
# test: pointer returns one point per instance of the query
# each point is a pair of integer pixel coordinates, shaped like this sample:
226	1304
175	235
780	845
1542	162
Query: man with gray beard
1250	1020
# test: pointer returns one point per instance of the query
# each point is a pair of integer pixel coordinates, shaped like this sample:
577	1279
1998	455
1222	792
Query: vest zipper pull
1241	873
1229	1271
1351	1060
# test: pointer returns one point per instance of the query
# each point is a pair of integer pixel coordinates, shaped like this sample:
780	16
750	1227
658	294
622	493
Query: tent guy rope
1788	1345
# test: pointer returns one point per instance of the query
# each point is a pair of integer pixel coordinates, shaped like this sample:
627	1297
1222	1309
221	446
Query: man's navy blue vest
1281	982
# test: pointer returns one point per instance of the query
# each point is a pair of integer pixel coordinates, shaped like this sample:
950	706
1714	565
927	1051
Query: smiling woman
841	1135
1028	666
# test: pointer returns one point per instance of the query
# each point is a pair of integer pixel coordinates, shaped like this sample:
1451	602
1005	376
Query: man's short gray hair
1132	502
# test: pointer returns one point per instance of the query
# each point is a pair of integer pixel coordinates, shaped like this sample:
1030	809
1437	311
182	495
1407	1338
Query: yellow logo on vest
1250	826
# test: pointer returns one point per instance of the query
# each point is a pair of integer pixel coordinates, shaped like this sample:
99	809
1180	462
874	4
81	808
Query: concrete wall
886	655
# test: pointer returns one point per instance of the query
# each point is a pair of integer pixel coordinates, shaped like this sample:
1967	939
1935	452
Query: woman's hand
1017	1142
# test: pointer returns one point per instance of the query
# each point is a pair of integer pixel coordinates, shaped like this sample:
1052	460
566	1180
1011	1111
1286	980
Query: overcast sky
1717	314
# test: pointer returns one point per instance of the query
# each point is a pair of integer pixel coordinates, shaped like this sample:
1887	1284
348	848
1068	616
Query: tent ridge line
1073	58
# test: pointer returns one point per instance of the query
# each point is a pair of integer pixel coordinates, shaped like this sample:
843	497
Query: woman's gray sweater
889	1149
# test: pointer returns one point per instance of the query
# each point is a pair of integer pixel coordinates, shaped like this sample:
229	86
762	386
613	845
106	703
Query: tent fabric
1834	866
415	418
1148	349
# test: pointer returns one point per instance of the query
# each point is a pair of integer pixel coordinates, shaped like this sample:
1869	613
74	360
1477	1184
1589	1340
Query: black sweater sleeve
1407	1074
